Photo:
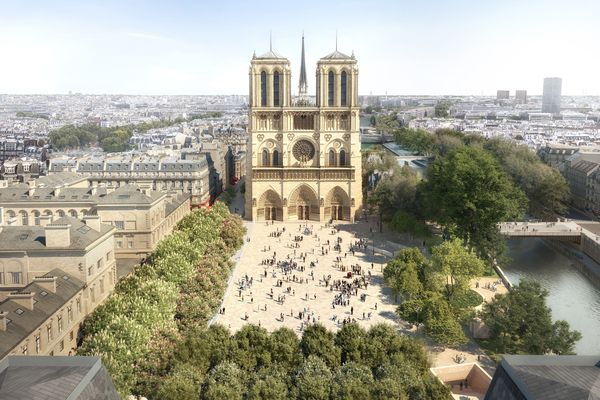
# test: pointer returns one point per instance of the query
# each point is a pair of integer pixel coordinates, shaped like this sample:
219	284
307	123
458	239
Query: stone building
303	160
52	276
142	217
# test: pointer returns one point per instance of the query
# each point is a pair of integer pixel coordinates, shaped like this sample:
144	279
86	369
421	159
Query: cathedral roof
336	55
271	55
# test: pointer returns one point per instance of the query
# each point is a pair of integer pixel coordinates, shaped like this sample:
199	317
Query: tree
269	383
313	379
404	274
350	339
441	109
454	266
253	348
469	194
441	323
285	349
224	382
521	322
183	383
352	381
318	341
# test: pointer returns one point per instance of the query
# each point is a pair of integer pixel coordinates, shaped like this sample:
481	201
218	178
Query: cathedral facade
303	159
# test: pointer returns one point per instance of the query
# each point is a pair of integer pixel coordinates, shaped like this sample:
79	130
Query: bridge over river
569	230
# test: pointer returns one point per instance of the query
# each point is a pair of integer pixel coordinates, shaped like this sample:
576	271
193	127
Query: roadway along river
572	296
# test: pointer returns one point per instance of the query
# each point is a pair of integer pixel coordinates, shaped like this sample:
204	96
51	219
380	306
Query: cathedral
304	160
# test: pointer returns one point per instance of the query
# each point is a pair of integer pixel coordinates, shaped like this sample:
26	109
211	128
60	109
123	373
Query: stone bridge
563	230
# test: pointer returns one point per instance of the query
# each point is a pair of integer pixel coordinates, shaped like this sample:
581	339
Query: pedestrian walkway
293	274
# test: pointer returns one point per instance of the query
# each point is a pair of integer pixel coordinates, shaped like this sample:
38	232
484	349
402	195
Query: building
502	95
21	170
552	95
577	174
141	217
55	378
521	96
194	175
555	155
52	277
546	377
303	160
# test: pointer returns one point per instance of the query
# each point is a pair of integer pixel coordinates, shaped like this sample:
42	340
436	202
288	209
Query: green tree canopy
521	322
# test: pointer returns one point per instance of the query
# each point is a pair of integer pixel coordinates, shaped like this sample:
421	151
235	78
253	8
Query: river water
572	296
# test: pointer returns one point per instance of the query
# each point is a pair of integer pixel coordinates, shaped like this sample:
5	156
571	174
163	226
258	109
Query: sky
196	47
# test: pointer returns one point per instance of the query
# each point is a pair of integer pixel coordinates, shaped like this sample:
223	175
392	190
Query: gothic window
344	89
303	150
330	86
265	158
263	88
276	88
342	158
331	158
275	158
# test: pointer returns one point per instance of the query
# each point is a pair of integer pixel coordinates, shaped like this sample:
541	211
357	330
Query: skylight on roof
84	229
66	277
43	293
23	236
19	311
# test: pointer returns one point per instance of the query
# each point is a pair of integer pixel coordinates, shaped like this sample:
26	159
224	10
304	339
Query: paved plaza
285	274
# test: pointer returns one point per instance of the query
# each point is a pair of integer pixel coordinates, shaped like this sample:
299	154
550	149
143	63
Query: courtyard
290	274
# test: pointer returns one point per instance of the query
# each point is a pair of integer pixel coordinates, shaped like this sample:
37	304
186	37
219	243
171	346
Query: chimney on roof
45	220
57	192
47	282
24	299
58	235
3	321
93	221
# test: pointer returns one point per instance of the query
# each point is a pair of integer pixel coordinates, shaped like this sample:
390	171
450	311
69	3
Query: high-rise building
303	160
502	95
552	94
521	96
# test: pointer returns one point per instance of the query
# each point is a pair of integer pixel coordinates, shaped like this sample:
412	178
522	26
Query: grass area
468	299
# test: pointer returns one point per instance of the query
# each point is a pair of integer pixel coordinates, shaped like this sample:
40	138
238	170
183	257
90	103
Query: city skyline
464	48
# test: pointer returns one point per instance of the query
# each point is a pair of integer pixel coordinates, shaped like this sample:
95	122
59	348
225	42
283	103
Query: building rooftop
33	237
22	321
55	378
336	55
555	377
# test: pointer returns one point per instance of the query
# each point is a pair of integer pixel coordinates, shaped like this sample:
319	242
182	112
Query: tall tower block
304	160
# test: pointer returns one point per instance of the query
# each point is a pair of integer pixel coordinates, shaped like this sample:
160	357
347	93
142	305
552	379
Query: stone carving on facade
260	137
328	137
279	136
290	136
346	136
316	136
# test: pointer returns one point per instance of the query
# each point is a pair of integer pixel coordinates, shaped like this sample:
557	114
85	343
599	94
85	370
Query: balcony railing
303	174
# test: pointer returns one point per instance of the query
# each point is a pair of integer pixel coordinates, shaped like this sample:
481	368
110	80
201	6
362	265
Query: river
572	296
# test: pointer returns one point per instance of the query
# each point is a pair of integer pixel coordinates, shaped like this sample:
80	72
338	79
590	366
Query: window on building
59	323
120	224
130	244
108	255
71	335
342	158
24	350
69	314
276	88
275	158
61	345
49	332
330	88
90	270
24	218
263	88
344	89
15	277
265	158
119	244
38	347
78	305
93	294
331	158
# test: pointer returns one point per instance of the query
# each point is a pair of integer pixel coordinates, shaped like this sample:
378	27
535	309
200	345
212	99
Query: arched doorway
303	204
337	205
270	207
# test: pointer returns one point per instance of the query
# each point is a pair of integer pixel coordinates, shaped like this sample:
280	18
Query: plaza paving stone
260	308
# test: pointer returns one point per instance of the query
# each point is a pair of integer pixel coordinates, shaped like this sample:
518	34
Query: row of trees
211	364
435	292
136	329
113	139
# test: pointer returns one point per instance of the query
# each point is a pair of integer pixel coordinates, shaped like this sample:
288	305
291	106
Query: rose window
303	150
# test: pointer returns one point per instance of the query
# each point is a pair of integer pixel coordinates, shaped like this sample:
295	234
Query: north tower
304	160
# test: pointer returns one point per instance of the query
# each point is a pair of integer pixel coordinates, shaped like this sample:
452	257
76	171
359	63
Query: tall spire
302	88
270	40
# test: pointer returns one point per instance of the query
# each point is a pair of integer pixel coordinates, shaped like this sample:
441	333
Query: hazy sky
204	47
